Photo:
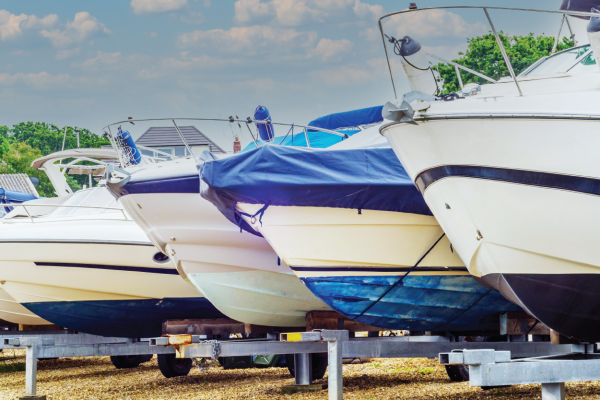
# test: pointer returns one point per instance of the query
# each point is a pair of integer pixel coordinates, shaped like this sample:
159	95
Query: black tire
457	373
171	366
147	357
319	365
460	373
124	362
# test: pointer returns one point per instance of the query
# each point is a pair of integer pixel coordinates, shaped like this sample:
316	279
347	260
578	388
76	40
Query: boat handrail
248	121
485	10
58	206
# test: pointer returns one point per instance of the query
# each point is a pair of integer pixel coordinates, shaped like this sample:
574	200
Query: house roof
18	183
167	136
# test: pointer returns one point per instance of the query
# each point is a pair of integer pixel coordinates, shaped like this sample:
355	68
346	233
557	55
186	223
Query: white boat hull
518	199
238	272
12	311
389	269
96	276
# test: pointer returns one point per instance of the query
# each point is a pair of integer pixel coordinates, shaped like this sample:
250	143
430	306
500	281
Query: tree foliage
484	56
27	141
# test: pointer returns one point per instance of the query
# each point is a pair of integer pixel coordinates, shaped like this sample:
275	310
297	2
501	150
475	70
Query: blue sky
89	63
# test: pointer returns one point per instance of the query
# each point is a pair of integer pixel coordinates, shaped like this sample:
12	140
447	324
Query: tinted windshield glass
561	62
91	197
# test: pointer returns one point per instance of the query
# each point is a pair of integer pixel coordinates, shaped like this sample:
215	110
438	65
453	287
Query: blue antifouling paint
123	318
265	131
421	303
136	156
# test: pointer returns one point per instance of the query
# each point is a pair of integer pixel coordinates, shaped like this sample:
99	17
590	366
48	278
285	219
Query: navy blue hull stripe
380	269
179	184
523	177
73	241
111	267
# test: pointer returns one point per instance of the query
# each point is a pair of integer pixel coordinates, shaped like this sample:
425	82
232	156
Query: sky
91	63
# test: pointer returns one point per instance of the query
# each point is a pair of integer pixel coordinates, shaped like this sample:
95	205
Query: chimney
237	146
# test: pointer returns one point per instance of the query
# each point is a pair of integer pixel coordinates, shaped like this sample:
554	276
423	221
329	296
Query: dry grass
96	378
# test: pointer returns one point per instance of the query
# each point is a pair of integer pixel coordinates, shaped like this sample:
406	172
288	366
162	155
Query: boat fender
131	150
415	64
265	131
593	32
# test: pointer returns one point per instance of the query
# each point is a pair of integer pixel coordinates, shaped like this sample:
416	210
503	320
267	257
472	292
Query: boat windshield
97	197
565	62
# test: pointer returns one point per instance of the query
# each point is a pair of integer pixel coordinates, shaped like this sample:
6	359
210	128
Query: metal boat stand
338	345
489	368
54	344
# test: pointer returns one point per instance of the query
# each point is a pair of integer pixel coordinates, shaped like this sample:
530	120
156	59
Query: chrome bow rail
485	10
122	149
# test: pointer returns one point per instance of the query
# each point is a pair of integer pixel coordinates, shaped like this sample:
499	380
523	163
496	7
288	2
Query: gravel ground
96	378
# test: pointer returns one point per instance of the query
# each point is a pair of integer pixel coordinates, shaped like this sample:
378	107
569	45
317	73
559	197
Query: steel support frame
338	345
494	368
54	344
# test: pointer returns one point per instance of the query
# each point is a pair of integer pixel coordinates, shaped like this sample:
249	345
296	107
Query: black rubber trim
111	267
571	183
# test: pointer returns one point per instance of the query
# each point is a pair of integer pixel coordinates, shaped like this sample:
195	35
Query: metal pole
306	136
562	21
487	78
506	60
64	137
388	59
31	370
303	368
458	75
77	137
335	379
571	30
183	139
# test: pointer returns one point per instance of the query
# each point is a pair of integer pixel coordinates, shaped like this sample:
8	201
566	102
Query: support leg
303	368
334	354
553	391
31	373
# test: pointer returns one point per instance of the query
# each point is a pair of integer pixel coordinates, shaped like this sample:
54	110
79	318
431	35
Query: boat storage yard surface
96	378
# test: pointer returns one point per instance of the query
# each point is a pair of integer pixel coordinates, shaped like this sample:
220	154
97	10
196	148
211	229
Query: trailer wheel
171	366
319	365
124	362
460	373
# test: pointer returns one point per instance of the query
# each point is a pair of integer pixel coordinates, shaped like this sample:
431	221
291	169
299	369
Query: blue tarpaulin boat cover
366	178
319	140
349	119
11	196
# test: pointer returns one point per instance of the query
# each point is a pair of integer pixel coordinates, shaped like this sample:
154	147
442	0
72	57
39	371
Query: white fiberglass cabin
510	170
80	262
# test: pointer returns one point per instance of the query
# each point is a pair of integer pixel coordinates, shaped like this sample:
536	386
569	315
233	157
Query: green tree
28	141
484	56
18	161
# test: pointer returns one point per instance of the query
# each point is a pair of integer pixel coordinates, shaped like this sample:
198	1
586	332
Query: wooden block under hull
23	327
521	323
333	320
218	326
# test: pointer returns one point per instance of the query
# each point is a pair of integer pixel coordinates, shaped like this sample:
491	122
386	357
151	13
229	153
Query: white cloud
156	6
207	3
297	12
82	27
429	24
367	11
192	17
249	39
67	53
332	50
246	10
148	74
346	76
39	80
12	25
203	61
101	59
